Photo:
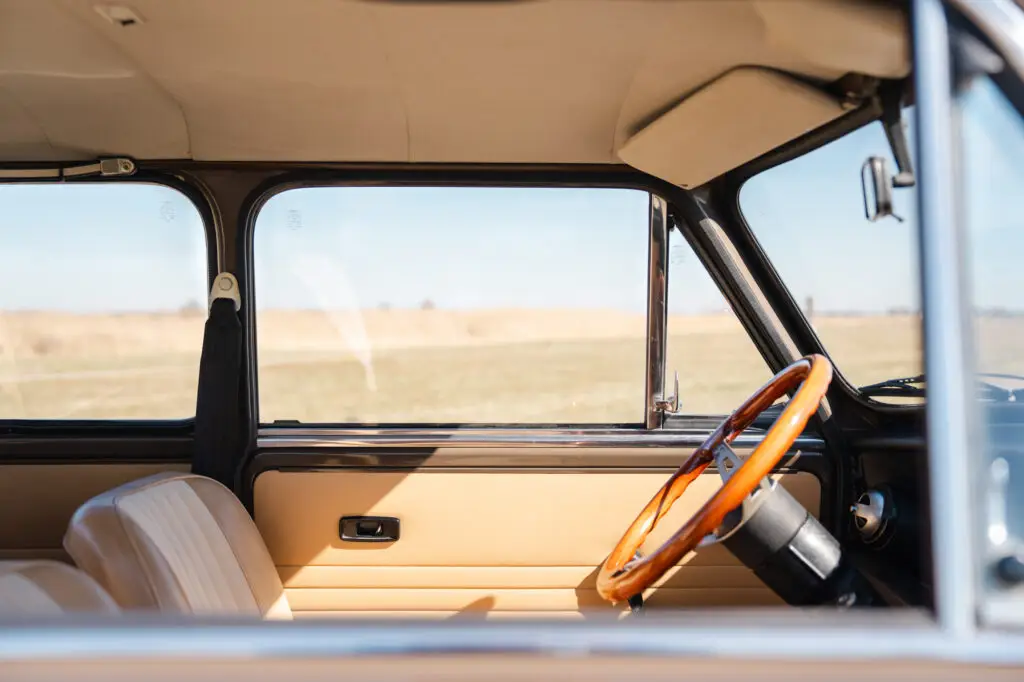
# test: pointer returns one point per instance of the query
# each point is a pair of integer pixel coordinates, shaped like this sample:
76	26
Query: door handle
368	529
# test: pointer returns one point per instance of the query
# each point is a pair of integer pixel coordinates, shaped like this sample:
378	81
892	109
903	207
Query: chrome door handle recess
368	529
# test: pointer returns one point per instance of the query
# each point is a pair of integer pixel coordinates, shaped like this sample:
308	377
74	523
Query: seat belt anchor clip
226	286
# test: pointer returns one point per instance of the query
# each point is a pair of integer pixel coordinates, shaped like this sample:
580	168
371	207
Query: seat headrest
41	588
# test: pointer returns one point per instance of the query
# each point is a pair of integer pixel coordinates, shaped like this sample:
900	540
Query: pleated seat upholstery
177	543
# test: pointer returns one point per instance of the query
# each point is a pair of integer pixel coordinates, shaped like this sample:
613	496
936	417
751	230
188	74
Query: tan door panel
42	497
550	599
478	541
515	577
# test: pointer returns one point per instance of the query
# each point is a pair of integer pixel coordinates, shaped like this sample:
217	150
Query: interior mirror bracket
891	97
877	182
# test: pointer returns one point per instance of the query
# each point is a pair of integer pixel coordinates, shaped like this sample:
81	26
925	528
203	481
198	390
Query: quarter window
102	301
718	365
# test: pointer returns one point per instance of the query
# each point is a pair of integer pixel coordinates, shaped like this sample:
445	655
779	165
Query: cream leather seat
42	588
179	543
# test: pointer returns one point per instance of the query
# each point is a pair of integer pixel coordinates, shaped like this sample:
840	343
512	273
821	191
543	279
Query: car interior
376	309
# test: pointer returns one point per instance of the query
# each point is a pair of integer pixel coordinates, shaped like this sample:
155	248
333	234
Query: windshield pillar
947	356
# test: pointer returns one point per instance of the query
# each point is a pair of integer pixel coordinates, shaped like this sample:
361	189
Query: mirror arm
891	97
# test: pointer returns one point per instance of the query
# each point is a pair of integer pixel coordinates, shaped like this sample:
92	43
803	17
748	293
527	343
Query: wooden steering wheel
622	575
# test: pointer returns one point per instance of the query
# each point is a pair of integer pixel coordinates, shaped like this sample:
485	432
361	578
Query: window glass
993	175
993	162
717	363
856	281
452	305
102	301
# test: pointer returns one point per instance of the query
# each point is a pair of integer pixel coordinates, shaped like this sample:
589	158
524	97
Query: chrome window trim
657	312
550	460
294	438
946	325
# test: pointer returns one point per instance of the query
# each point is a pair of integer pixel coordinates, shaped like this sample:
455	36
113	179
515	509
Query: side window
442	305
717	363
993	174
857	281
992	137
102	301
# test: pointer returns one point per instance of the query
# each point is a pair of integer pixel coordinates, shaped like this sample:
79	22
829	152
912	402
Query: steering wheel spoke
726	461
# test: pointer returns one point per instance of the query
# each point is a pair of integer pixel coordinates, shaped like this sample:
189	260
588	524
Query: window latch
670	405
115	167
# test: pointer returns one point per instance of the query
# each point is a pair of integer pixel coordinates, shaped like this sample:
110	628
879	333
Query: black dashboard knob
1010	569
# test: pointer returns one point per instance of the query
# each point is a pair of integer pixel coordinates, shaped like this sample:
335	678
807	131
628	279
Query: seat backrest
179	543
43	588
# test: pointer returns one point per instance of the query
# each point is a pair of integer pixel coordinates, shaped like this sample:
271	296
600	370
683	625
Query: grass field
424	365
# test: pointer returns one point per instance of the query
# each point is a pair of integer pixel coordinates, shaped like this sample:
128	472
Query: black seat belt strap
218	409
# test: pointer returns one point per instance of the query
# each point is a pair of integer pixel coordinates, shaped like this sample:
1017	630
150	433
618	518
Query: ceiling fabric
539	81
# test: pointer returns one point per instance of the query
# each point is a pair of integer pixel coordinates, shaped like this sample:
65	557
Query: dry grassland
420	366
426	366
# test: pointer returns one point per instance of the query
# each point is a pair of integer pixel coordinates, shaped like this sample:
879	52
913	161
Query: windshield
856	281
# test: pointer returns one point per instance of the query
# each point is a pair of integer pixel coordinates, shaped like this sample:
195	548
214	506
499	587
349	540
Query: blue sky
993	166
808	215
458	247
135	247
99	247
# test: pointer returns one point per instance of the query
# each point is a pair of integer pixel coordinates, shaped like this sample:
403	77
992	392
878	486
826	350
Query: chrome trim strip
106	167
599	460
695	633
657	311
1002	22
277	438
946	325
